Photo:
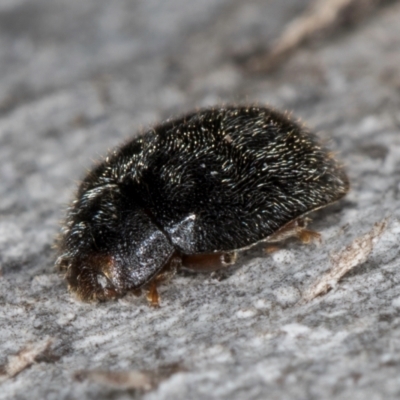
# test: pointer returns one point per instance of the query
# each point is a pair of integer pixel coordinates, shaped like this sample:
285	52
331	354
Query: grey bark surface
79	77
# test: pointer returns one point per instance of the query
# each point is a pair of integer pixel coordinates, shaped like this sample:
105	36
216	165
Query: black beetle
192	191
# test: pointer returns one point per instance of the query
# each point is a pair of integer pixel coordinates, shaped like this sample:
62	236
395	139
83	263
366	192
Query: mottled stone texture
78	77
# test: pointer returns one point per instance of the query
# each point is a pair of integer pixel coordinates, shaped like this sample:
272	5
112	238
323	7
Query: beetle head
109	249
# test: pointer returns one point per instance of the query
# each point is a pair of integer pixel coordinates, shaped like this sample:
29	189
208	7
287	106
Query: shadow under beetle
191	192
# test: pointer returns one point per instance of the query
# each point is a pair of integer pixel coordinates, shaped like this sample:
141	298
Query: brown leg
306	236
271	248
296	228
152	296
209	262
165	275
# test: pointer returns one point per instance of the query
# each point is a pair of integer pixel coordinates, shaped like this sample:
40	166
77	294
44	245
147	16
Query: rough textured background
79	76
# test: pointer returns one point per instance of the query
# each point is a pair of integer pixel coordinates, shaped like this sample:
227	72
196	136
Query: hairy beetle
191	192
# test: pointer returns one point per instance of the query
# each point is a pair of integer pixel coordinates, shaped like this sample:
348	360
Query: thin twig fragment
352	256
320	17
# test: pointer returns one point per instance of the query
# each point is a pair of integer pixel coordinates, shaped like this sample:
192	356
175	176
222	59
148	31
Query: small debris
118	379
352	256
23	359
135	379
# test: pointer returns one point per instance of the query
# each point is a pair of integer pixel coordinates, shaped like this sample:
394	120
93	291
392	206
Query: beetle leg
306	236
271	248
166	274
209	262
152	296
296	228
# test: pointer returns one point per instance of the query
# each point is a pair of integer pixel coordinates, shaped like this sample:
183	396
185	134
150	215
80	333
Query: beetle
192	192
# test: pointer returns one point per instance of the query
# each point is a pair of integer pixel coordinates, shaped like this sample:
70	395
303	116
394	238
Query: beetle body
208	183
